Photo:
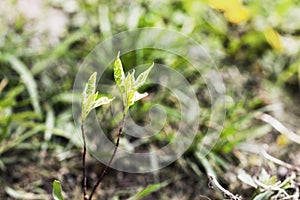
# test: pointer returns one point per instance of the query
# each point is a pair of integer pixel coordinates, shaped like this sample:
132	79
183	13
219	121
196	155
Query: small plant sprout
90	100
128	87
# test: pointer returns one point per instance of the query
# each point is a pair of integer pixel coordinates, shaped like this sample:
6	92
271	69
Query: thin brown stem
85	197
104	172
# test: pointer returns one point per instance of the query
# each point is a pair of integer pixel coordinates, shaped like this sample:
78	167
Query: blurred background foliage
255	44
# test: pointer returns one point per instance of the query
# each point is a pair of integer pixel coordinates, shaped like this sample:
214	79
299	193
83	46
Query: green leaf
90	88
264	176
14	92
90	99
148	190
102	101
28	80
57	190
141	79
88	106
16	141
119	73
246	178
129	91
129	82
128	85
264	195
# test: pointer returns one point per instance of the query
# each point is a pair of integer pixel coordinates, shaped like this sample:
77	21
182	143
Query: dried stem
85	197
279	162
104	172
226	193
279	127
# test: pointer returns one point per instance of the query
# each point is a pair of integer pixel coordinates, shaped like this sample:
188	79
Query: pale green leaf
141	79
246	178
264	176
101	101
57	190
128	85
88	105
90	87
90	99
138	96
129	90
130	98
129	82
264	195
119	73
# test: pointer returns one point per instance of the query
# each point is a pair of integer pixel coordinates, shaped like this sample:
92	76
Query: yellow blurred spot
237	15
234	11
282	140
273	38
223	5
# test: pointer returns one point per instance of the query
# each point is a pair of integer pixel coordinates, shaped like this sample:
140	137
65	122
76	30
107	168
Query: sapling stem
85	197
104	172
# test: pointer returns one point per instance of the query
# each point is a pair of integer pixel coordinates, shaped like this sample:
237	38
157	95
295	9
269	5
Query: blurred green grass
42	46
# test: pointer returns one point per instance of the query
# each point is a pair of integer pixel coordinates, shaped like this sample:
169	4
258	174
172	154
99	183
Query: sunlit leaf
101	101
141	79
273	38
57	190
138	96
128	85
90	99
129	90
90	87
129	82
119	75
88	106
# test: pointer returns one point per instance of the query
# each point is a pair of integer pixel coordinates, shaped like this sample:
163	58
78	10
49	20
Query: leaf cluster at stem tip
128	85
90	98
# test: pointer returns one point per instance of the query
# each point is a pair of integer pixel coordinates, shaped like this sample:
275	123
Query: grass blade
28	80
148	190
57	190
